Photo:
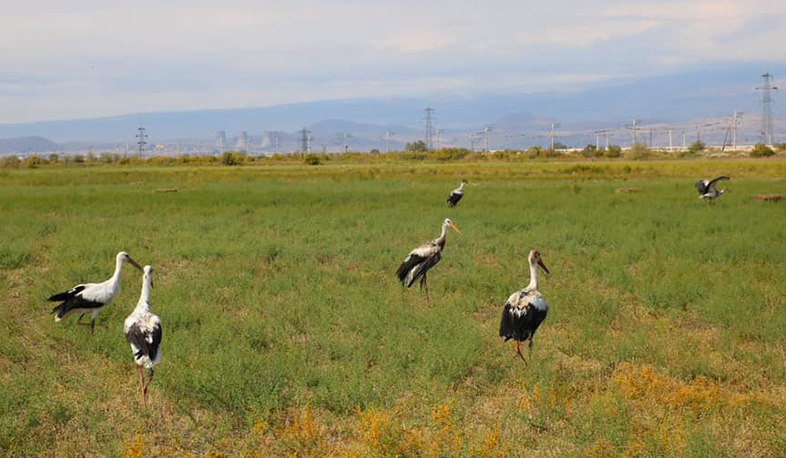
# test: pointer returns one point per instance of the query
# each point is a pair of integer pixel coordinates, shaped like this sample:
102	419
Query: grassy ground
285	332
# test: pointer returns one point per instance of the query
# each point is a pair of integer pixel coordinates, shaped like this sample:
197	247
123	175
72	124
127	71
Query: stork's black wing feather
73	301
424	267
702	186
67	294
715	180
146	341
408	264
454	198
520	327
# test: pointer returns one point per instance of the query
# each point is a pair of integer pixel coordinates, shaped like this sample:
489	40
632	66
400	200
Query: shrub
779	147
614	151
230	158
638	151
589	151
417	147
535	152
312	159
32	162
762	150
697	146
10	162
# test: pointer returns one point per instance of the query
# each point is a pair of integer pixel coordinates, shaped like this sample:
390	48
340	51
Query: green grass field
286	333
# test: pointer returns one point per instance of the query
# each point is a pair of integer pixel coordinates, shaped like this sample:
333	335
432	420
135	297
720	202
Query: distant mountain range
703	95
25	144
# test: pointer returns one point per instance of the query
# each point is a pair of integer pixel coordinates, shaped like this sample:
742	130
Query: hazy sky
78	58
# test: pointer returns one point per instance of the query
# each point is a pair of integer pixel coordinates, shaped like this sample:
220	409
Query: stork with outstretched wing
707	190
420	260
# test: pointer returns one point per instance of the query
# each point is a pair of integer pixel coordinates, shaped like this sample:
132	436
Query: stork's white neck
462	186
444	232
533	277
145	296
118	269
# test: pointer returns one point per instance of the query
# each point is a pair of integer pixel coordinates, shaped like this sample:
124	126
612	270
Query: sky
91	58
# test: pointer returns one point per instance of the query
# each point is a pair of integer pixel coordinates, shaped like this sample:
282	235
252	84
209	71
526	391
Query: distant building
242	141
221	141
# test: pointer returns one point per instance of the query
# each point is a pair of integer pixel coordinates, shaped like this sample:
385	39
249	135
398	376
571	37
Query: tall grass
286	332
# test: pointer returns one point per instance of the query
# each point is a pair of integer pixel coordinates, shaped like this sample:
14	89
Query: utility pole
346	146
737	116
635	121
766	87
486	131
305	146
597	140
552	134
141	136
671	147
276	143
734	137
221	141
387	141
439	131
684	145
607	141
650	137
428	119
472	143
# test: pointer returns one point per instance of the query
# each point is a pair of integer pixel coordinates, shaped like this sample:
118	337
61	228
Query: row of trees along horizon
416	151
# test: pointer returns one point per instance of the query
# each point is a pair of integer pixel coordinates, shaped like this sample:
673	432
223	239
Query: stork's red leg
142	385
518	351
425	283
144	389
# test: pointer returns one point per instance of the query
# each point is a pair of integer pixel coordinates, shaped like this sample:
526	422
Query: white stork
143	331
707	190
456	194
525	309
423	258
91	297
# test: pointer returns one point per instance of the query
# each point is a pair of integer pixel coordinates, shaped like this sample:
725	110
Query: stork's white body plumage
143	332
91	297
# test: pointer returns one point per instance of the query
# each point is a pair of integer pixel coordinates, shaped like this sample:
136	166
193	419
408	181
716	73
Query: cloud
90	57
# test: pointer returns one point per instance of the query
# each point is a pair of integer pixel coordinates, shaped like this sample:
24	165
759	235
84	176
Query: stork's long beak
135	264
453	226
543	266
